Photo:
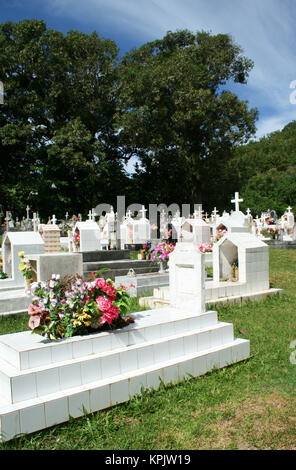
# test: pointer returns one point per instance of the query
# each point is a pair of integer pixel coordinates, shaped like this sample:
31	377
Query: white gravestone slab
90	235
187	278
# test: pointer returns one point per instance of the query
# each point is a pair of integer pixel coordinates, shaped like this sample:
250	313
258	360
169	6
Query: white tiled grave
43	382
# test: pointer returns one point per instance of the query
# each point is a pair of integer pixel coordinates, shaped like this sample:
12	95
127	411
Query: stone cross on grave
198	213
289	209
215	213
53	220
129	214
89	215
67	215
236	201
143	211
35	222
28	212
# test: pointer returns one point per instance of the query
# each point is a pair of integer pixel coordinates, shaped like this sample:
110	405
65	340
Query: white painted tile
24	360
70	376
78	403
56	411
145	356
10	425
152	332
119	392
216	337
101	343
47	381
199	366
167	330
110	366
100	398
81	348
227	334
225	357
32	418
5	387
203	341
39	357
119	340
136	384
91	371
181	326
154	379
61	352
185	369
128	361
194	323
213	360
190	344
176	348
161	352
23	388
136	336
171	374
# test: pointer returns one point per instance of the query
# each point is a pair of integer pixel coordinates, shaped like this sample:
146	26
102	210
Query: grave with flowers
86	354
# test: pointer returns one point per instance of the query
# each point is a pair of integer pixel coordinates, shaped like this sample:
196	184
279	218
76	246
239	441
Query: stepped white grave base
42	382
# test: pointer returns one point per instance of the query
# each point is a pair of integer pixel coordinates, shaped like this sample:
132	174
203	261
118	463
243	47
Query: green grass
249	405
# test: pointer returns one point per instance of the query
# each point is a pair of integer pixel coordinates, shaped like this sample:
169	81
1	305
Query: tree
58	149
172	105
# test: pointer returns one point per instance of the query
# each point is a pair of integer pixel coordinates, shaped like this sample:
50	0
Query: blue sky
265	29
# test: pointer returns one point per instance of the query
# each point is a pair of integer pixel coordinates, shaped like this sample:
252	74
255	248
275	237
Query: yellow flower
21	266
21	253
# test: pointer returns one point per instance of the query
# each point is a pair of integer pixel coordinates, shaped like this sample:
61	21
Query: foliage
69	306
174	110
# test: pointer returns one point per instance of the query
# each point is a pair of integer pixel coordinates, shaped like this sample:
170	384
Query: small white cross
28	209
129	214
89	215
143	211
236	201
53	220
67	215
289	210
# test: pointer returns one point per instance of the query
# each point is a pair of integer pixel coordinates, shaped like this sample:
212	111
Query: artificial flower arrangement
70	306
25	266
146	250
270	232
76	239
162	251
205	248
220	233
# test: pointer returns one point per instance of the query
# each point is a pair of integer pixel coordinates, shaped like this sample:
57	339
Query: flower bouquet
25	268
147	249
69	306
206	248
161	254
76	239
220	233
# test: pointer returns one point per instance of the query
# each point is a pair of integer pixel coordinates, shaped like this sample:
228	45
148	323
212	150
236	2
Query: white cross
249	213
236	201
129	214
35	220
143	211
215	213
289	210
28	209
93	213
53	220
67	215
89	215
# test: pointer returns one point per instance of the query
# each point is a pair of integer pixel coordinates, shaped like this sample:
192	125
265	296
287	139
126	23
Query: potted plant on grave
26	269
161	254
69	306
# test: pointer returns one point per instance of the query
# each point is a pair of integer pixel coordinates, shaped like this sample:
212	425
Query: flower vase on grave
28	284
163	264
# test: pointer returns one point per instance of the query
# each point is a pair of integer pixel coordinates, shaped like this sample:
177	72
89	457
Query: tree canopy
75	113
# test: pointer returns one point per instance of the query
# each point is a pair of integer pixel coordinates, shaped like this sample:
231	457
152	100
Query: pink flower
103	304
100	282
33	309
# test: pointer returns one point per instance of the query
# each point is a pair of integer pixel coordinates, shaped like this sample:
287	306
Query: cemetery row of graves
76	279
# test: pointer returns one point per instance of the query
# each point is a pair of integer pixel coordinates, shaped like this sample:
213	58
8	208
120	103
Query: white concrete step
41	412
19	385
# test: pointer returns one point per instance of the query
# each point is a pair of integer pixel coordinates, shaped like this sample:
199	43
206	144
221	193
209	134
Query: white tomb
196	231
141	229
46	264
13	243
90	235
43	382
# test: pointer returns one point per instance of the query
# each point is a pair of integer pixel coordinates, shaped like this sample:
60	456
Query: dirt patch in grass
261	422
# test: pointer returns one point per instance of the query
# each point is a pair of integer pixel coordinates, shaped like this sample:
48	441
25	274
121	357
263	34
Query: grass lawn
250	405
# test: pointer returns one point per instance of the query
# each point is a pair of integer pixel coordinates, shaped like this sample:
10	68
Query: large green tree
58	149
176	115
